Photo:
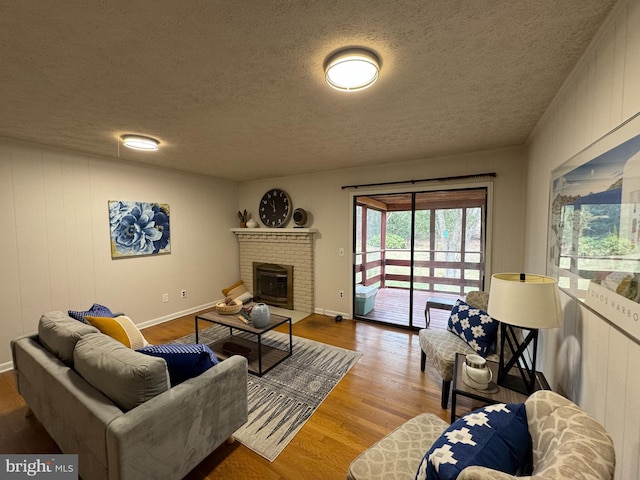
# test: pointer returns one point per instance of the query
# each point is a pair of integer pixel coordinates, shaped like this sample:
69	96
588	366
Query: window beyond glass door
413	246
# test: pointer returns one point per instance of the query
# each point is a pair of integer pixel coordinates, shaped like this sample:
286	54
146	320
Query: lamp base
526	382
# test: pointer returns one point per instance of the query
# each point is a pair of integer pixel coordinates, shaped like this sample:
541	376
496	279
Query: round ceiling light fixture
139	142
352	69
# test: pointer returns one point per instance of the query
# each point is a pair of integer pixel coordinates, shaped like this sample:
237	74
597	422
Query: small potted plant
243	217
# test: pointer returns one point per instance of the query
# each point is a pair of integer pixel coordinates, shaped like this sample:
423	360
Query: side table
441	303
494	394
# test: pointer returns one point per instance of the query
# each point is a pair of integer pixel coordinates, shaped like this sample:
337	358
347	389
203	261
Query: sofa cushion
59	333
127	377
184	361
474	326
121	328
496	437
96	310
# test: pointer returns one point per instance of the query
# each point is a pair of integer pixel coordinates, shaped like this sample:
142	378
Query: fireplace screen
273	284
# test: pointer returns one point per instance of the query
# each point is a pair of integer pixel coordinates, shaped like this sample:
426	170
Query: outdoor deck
392	307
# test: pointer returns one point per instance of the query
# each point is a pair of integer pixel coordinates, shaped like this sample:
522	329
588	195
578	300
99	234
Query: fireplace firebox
273	284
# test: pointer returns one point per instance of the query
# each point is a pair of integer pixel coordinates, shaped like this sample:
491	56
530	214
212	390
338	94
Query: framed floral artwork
139	228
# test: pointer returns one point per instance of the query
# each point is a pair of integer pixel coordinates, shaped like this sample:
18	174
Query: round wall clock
275	208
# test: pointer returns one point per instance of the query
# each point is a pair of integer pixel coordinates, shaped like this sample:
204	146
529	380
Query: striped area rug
282	400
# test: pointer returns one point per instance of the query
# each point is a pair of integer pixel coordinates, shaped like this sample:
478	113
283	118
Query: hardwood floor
384	389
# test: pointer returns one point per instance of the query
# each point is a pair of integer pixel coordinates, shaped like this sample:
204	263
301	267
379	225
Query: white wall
331	207
55	251
588	359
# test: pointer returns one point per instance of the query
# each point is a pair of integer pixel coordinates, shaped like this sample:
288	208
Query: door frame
422	188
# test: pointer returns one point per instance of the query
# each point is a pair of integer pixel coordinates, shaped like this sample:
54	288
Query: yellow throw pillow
225	291
120	328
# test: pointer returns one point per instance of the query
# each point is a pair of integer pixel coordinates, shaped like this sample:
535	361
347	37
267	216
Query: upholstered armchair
441	346
566	444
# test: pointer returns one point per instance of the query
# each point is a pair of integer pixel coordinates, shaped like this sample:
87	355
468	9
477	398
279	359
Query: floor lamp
523	303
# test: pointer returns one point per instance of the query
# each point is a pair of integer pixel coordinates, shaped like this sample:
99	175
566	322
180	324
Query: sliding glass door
415	245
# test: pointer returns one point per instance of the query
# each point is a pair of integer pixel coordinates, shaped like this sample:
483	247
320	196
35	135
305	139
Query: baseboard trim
5	367
173	316
331	313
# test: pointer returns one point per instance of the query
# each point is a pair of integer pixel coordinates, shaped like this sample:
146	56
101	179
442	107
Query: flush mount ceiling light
138	142
352	69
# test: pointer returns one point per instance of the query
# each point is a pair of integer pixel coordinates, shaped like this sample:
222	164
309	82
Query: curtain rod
440	179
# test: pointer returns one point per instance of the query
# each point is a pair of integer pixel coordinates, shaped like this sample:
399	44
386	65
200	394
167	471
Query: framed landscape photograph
139	228
594	226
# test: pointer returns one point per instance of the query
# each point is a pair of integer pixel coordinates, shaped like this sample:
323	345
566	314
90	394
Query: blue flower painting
139	228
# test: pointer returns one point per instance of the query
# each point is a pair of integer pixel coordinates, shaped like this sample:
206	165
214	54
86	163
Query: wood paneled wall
587	358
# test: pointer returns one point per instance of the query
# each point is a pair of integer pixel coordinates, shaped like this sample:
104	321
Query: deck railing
433	270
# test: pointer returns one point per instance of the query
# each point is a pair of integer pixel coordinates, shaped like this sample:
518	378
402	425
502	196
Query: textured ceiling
235	89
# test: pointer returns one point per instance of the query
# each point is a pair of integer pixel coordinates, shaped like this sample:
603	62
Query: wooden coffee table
494	394
261	358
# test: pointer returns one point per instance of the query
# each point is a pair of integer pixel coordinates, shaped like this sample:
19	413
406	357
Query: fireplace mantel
274	231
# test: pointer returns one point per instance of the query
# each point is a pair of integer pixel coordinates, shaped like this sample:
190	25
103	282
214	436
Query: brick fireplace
282	246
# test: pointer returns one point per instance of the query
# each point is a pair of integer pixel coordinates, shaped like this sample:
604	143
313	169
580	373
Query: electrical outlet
165	297
341	294
183	294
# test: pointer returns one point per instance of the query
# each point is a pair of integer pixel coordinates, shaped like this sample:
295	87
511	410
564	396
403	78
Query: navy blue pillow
496	437
474	326
183	361
96	310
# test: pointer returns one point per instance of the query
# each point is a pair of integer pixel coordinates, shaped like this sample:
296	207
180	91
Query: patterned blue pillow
496	437
96	310
474	326
183	361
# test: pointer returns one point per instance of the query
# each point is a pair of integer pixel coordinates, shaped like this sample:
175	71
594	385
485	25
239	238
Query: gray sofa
165	436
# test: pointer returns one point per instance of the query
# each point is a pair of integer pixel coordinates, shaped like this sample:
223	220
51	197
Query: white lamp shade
352	69
532	303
